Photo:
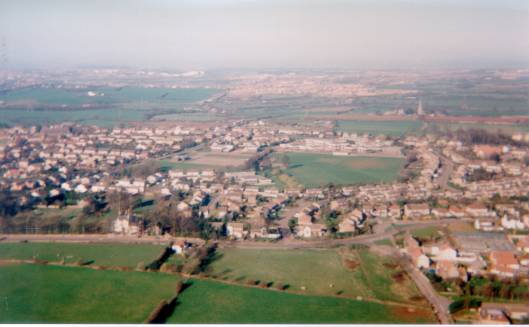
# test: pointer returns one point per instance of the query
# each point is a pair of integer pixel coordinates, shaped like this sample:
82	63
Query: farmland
109	107
313	170
391	128
102	254
213	302
80	295
54	294
317	272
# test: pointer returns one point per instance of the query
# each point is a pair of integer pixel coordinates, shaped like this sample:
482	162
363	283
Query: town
457	208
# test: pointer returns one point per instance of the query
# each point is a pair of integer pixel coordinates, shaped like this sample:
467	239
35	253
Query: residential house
416	210
236	230
492	316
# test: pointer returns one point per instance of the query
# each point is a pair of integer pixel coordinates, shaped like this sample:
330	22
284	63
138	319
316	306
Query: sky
248	34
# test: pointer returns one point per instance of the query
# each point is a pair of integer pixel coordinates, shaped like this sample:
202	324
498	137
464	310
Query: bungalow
419	259
457	212
236	230
303	218
485	151
441	213
312	230
394	211
447	269
492	316
479	210
416	210
504	263
512	223
523	244
126	225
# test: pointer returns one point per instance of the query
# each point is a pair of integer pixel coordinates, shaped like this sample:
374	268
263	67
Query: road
439	303
386	229
448	168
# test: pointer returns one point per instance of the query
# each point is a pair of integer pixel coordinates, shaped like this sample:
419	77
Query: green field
315	170
317	272
391	128
492	128
213	302
53	294
103	254
46	293
117	105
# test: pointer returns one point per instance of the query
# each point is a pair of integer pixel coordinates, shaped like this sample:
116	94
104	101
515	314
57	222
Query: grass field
117	105
391	128
208	160
321	272
213	302
314	170
426	232
103	254
53	294
492	128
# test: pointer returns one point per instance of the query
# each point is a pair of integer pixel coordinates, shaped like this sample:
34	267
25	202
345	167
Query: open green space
102	254
492	128
214	302
167	164
426	232
321	272
476	104
391	128
111	106
54	294
314	170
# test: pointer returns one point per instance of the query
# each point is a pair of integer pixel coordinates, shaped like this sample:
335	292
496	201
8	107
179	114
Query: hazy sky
204	34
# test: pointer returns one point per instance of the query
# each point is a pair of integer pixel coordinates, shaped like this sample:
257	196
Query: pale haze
265	34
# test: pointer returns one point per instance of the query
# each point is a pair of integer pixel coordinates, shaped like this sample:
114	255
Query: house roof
503	258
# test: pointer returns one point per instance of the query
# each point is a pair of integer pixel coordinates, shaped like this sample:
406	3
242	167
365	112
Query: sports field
209	160
321	272
314	170
128	255
391	128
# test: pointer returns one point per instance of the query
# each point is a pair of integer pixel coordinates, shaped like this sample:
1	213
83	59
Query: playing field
209	160
54	294
314	170
391	128
321	272
102	254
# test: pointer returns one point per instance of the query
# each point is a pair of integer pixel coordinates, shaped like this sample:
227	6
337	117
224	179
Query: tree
285	160
292	223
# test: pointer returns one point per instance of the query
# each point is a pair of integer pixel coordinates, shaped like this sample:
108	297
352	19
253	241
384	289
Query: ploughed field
277	286
315	170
